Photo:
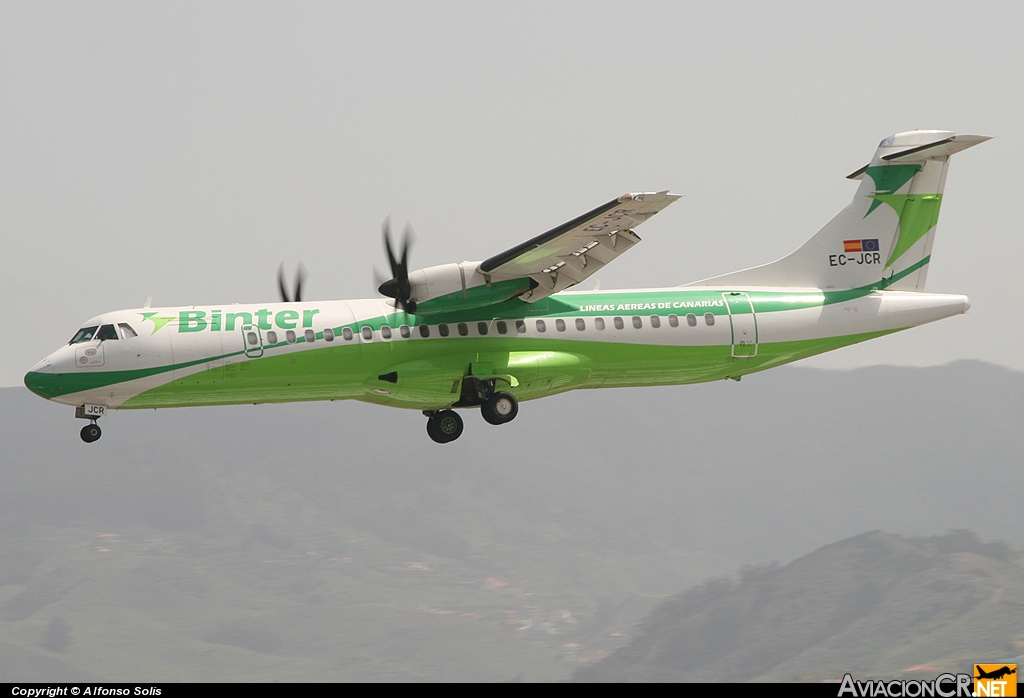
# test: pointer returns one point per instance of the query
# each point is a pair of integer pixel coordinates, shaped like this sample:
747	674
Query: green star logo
158	321
888	179
918	213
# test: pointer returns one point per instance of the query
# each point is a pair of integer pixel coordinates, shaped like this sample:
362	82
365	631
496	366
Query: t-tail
883	238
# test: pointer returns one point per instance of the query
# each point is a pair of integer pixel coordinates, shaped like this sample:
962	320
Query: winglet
657	200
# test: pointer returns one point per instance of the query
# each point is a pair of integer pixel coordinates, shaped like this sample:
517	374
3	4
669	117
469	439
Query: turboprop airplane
491	334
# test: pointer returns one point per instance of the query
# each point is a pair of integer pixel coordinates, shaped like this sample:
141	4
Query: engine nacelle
459	286
443	280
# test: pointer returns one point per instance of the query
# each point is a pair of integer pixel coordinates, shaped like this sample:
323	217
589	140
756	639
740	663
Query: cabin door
252	340
744	325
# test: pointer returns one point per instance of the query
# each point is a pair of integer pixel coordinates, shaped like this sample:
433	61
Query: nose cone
41	379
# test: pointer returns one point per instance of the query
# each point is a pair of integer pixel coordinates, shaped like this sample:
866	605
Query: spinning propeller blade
398	287
300	278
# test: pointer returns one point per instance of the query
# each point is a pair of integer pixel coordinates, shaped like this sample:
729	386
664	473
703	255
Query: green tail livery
491	334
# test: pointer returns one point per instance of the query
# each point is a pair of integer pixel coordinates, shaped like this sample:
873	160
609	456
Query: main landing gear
444	426
500	408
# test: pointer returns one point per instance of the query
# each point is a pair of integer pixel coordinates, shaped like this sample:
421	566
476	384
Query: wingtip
662	195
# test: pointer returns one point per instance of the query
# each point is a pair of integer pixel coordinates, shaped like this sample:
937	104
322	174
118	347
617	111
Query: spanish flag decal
860	245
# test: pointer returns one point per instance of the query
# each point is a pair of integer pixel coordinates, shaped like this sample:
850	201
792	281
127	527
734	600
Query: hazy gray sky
182	151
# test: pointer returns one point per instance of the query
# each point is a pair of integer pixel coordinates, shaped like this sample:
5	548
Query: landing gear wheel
500	409
91	432
444	426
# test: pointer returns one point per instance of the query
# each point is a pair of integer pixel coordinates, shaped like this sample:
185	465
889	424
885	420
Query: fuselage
367	350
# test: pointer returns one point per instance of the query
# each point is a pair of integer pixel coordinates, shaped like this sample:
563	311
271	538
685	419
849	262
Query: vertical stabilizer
884	236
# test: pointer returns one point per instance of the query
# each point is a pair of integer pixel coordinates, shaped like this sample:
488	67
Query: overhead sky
183	150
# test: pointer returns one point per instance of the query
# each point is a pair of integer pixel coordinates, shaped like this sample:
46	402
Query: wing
568	254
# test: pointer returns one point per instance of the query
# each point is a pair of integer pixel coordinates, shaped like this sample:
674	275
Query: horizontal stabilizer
941	148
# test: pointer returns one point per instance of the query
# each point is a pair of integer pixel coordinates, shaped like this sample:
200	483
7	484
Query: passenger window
463	329
673	321
328	335
581	324
107	332
271	337
691	320
346	332
637	322
251	336
481	327
367	332
424	330
655	321
521	326
126	331
709	319
502	327
541	326
289	336
619	324
404	331
385	332
84	335
442	330
599	323
310	335
560	325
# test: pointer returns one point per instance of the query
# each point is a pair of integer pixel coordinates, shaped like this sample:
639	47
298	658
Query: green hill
876	605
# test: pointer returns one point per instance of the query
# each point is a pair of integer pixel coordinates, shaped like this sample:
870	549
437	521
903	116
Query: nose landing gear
91	432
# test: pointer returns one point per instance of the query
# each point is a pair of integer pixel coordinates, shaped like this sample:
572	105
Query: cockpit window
126	331
84	334
107	332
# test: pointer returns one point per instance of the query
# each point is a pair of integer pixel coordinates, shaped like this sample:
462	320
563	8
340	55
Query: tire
90	433
433	433
502	408
445	426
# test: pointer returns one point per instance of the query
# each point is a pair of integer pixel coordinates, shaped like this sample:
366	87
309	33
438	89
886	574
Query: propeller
398	287
300	278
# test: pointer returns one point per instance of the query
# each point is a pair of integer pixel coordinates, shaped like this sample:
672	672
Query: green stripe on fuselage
345	372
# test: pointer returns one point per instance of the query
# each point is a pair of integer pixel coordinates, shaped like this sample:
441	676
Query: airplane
995	674
493	333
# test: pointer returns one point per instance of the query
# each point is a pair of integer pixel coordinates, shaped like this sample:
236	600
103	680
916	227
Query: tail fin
884	236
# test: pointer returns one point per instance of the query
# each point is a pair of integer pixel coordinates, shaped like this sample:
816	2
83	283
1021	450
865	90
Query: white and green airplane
493	333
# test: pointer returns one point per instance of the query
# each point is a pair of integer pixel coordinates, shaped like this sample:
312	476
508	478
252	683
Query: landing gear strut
444	426
91	432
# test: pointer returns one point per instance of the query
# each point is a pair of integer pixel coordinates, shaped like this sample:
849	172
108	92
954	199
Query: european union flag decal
869	245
